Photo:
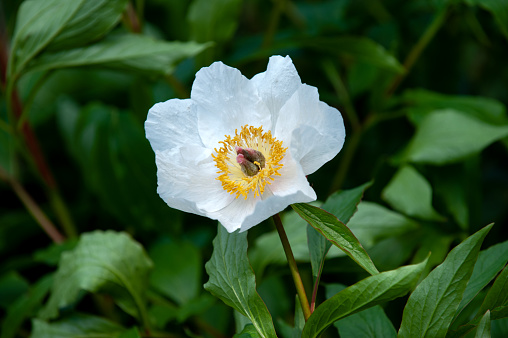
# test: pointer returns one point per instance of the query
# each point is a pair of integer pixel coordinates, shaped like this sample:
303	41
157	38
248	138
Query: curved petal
278	83
225	101
172	124
186	179
291	187
313	131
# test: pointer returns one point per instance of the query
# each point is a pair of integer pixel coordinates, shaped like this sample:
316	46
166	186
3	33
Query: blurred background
74	158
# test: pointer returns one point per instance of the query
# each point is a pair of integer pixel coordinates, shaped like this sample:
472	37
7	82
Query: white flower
239	150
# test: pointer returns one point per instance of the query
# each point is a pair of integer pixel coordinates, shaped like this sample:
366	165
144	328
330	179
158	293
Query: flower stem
292	266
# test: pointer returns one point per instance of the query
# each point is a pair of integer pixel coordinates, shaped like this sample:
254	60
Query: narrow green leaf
176	278
108	262
213	20
249	331
498	293
232	280
369	323
25	306
488	265
447	136
77	326
58	24
299	319
431	307
368	292
343	205
483	330
336	232
360	48
410	193
123	51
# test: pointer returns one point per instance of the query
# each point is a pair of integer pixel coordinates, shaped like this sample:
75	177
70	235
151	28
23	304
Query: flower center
248	161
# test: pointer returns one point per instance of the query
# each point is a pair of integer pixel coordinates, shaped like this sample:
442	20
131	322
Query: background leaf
447	136
430	308
232	280
102	262
369	323
410	193
368	292
498	293
483	330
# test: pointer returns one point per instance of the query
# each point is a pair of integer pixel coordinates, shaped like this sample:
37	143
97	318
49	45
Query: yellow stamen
231	176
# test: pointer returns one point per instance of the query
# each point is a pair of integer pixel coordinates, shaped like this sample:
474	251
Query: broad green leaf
369	323
343	205
498	293
232	280
179	279
107	262
373	222
422	102
213	20
431	307
359	48
77	326
51	254
367	293
123	51
434	241
446	136
410	193
488	265
483	330
336	232
58	24
25	306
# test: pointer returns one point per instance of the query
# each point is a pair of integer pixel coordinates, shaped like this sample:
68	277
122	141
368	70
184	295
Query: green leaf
336	232
232	280
369	323
131	52
179	279
446	136
59	24
373	222
249	331
483	330
12	286
213	20
431	307
499	9
422	102
488	265
341	204
359	48
410	193
498	293
51	254
107	262
24	307
367	293
77	326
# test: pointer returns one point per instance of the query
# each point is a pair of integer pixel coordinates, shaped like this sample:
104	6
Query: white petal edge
226	100
277	84
171	124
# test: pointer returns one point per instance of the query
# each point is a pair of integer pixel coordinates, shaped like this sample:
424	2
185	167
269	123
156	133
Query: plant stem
292	266
418	49
32	207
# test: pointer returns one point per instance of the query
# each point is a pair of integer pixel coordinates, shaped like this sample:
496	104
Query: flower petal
171	124
278	83
226	100
186	180
313	131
